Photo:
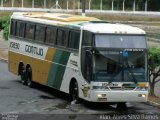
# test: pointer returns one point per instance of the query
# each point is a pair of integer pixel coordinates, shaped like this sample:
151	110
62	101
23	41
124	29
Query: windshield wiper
134	79
112	78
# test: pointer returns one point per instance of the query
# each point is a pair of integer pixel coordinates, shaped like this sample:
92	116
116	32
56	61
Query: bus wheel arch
73	89
20	68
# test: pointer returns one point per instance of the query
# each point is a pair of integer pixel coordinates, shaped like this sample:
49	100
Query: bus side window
29	32
40	33
87	39
13	27
74	38
62	38
20	27
51	35
17	28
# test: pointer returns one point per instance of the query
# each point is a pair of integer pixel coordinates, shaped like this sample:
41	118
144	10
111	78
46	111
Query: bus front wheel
29	78
74	91
121	105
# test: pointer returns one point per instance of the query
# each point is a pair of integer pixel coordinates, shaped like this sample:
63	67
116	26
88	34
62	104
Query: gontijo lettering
34	50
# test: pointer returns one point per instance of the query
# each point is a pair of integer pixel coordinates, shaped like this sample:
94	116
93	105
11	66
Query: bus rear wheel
74	92
22	73
29	78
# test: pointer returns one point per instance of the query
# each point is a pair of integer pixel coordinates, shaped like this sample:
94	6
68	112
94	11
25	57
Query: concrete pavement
3	48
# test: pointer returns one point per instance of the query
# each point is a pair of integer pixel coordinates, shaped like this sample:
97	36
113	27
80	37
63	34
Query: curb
153	104
4	60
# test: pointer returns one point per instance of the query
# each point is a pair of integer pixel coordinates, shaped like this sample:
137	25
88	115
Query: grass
124	17
2	13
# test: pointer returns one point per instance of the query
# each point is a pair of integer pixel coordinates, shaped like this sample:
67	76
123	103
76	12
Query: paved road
45	103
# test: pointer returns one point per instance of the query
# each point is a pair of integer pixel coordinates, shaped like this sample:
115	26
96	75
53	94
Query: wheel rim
23	77
28	81
75	92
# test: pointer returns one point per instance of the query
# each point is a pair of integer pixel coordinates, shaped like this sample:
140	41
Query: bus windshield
118	66
115	58
122	59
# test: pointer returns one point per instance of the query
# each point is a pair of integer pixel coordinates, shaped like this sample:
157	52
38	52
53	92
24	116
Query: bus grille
122	88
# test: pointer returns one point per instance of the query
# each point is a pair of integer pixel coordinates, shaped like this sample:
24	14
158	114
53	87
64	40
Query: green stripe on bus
58	68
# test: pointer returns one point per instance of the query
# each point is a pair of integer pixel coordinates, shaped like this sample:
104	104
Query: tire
29	81
121	106
23	77
75	92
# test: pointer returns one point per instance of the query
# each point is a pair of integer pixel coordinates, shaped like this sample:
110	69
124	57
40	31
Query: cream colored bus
82	56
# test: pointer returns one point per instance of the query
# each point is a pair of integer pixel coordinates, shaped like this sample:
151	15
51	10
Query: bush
4	25
6	32
154	68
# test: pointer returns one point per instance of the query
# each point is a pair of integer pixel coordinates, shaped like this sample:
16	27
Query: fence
102	5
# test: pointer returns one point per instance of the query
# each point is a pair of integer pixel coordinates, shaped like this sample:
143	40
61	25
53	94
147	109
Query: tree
154	68
153	5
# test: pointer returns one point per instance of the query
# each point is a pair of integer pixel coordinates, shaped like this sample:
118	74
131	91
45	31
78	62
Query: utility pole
1	3
78	4
12	3
44	3
74	5
101	5
67	4
112	5
83	7
22	3
134	5
123	5
90	4
146	4
32	3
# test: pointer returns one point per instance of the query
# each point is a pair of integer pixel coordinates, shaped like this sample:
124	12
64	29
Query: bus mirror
125	54
88	53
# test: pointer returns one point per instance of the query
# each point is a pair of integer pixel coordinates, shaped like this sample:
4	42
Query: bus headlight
101	97
142	95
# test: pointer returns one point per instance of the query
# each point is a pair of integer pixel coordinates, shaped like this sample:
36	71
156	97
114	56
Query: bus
85	57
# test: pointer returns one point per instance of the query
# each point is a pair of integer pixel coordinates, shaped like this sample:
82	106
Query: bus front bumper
118	96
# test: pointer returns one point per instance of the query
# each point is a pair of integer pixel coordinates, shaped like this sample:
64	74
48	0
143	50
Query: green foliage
6	32
4	25
154	68
154	57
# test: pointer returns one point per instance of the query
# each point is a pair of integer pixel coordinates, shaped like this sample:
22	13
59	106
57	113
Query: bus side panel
12	63
71	72
38	71
41	68
57	68
14	60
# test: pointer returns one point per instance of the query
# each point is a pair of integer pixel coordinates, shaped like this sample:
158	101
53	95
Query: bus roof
112	28
76	22
60	17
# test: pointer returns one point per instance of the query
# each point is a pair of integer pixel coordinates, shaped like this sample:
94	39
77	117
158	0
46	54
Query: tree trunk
152	85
